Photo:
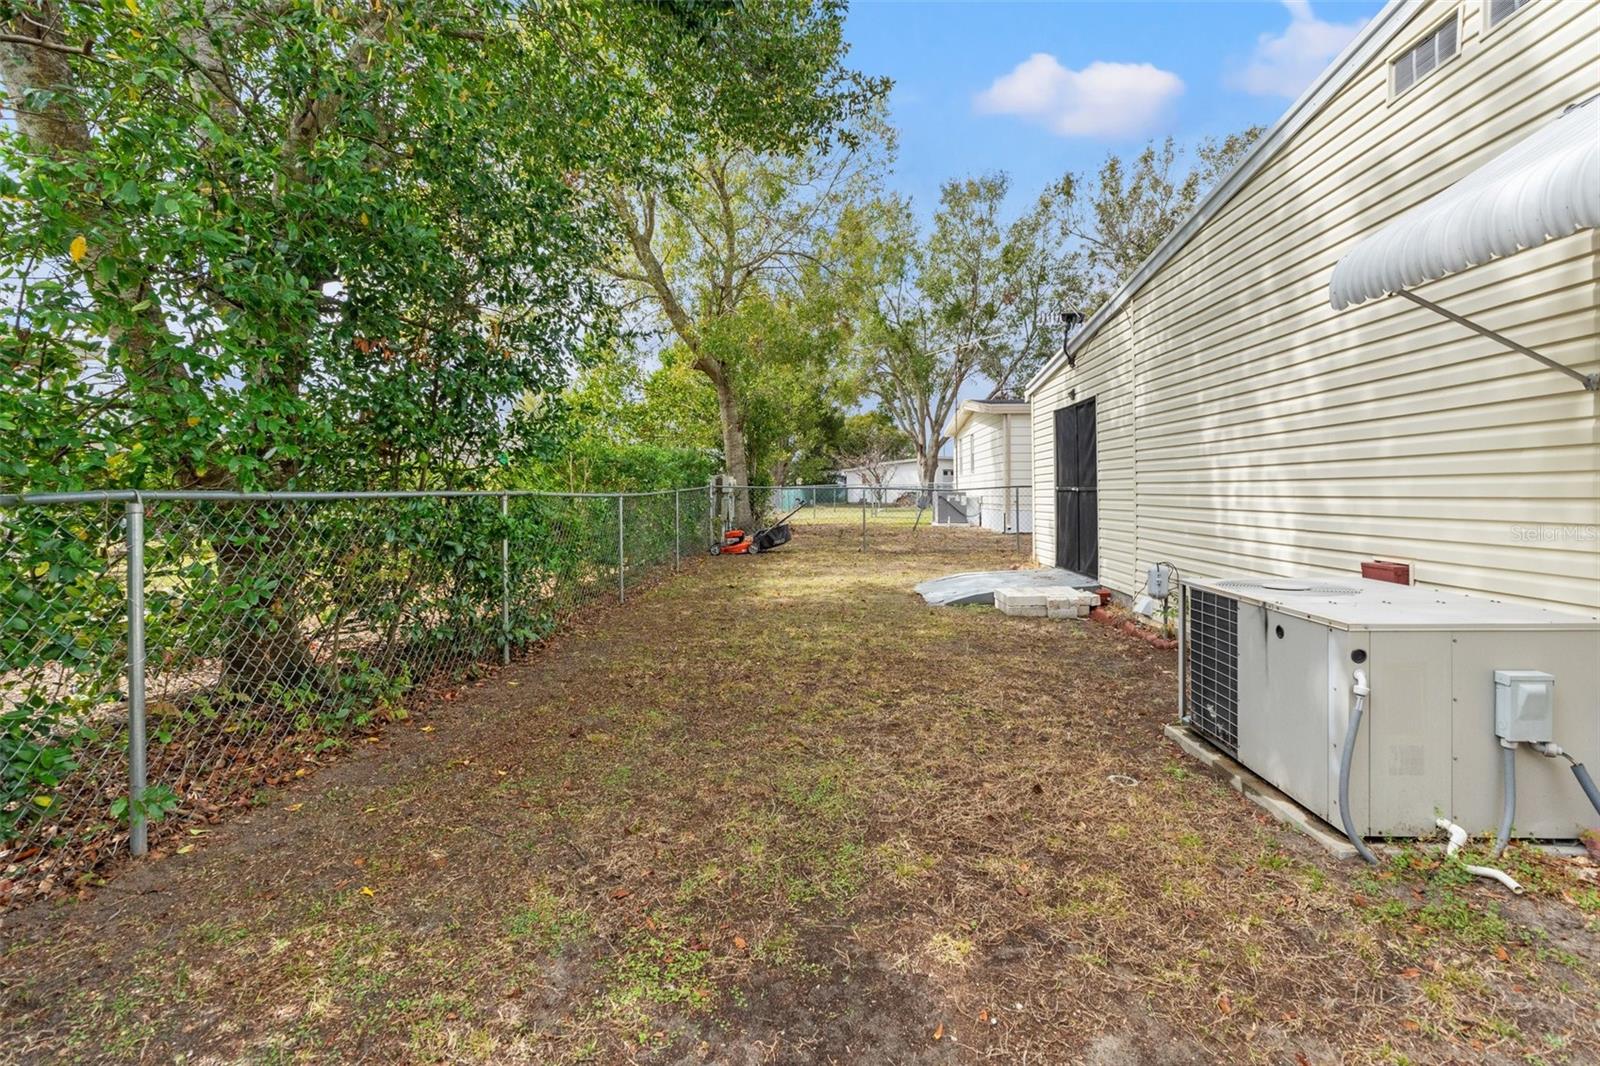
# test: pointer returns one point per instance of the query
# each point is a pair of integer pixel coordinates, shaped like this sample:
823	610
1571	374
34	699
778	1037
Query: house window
1426	56
1500	10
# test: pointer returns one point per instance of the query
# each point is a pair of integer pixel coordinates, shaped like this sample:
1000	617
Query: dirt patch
776	810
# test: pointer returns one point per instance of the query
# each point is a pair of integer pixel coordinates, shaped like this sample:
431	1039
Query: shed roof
944	457
993	406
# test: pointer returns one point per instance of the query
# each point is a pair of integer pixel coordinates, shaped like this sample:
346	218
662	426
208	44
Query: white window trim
1411	90
1494	27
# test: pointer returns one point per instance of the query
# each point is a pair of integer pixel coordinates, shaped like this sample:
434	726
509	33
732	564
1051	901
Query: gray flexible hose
1345	758
1508	805
1586	783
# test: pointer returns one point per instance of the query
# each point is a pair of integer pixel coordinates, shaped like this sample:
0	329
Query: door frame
1077	488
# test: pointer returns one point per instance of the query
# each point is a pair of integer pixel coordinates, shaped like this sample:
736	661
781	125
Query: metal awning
1545	187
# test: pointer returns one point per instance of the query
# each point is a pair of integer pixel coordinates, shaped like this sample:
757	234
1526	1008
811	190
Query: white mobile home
993	455
887	481
1237	408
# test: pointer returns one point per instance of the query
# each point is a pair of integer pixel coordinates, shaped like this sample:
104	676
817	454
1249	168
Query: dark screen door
1077	491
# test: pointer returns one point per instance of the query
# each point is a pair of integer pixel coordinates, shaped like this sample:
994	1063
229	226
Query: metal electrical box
1524	705
1267	674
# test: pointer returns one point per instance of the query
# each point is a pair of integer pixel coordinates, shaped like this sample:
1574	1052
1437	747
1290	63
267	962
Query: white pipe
1458	837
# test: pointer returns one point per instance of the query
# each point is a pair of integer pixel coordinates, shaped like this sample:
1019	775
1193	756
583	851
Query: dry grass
777	810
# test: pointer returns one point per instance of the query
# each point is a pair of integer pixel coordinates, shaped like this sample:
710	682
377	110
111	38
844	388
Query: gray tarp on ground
978	586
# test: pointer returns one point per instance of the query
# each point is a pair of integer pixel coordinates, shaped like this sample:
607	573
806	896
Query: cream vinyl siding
982	440
1246	427
1021	448
979	444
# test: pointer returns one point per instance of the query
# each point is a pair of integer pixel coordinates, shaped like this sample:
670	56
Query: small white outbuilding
993	441
888	481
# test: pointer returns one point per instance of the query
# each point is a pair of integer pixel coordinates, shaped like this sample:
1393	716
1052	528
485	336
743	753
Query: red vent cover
1383	570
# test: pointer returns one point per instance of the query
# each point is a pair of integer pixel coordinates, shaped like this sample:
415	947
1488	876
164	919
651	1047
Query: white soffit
1544	187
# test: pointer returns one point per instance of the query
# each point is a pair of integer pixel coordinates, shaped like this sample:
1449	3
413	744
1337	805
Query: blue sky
1038	89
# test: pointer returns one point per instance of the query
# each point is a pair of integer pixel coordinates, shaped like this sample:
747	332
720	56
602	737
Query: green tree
788	359
748	224
1129	207
249	244
869	441
260	245
680	407
622	429
977	297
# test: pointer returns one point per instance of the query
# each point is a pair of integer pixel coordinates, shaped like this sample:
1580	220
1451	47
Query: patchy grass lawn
777	810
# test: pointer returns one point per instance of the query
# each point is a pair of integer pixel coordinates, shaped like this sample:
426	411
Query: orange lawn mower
737	542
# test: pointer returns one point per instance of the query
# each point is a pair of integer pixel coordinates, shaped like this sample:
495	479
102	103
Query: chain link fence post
505	580
1016	513
138	832
863	526
377	593
622	559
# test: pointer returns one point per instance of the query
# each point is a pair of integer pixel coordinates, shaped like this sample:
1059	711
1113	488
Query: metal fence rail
858	510
165	656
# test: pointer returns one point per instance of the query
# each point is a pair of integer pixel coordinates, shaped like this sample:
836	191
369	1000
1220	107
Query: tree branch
86	49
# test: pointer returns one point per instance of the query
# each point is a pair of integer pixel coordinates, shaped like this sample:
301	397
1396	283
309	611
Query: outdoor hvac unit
1268	675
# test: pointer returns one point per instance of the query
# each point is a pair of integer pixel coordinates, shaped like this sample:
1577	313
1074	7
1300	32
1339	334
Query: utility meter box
1524	705
1268	667
1158	581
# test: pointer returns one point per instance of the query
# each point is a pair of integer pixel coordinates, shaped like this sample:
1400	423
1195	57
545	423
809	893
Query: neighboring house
993	459
1225	412
889	481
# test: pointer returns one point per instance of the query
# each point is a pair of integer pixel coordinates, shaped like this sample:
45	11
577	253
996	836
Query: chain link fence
858	511
165	657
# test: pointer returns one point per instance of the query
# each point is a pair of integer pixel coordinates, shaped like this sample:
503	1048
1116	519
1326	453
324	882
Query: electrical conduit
1508	805
1345	758
1555	751
1458	837
1586	783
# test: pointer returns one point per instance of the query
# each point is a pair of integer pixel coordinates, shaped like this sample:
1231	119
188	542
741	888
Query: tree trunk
930	476
264	645
735	462
262	657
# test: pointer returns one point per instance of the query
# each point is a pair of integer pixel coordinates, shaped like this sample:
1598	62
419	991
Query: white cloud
1283	64
1101	100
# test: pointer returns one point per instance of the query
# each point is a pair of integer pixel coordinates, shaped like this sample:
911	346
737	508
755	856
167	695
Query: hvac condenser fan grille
1211	666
